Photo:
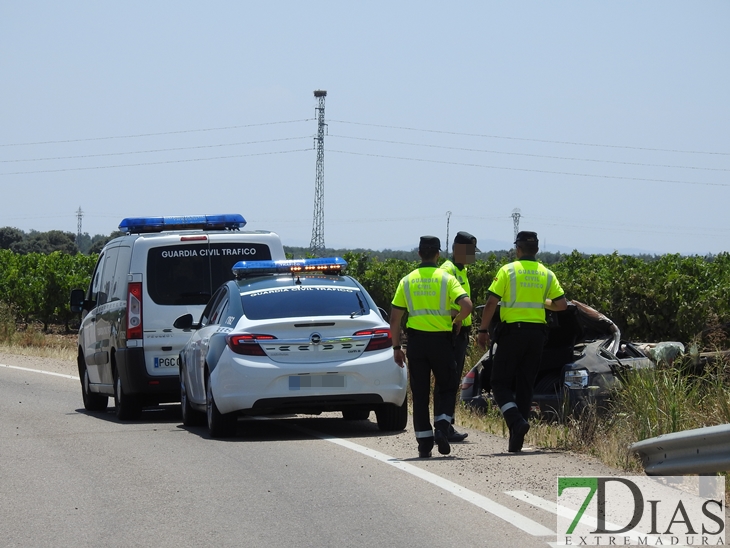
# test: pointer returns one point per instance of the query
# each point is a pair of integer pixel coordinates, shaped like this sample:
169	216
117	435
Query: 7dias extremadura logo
641	511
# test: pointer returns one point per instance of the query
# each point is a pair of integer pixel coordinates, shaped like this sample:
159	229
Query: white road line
510	516
72	377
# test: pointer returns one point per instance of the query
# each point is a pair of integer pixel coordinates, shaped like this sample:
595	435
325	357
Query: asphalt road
73	478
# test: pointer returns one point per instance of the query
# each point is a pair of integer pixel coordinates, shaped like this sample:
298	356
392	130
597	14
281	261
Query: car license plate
304	382
166	361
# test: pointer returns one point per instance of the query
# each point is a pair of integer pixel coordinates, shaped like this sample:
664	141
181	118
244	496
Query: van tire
219	425
126	407
92	400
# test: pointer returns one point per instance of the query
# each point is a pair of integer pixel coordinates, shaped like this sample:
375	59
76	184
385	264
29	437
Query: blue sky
606	123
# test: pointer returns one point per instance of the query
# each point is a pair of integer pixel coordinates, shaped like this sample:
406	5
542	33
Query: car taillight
380	338
247	344
468	380
134	310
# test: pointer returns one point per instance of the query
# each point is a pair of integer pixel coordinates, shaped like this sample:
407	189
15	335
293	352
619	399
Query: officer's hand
483	340
399	357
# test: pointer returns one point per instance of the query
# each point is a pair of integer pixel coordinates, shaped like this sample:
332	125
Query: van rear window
188	274
303	301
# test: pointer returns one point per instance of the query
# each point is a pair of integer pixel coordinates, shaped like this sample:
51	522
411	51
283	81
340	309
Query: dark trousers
460	342
431	353
515	366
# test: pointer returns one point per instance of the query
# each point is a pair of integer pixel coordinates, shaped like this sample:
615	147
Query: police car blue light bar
136	225
330	265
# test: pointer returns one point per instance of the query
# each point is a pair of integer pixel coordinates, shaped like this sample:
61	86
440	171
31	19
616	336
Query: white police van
162	268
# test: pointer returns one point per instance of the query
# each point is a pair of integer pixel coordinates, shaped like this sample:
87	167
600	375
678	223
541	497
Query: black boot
441	437
424	448
456	437
518	428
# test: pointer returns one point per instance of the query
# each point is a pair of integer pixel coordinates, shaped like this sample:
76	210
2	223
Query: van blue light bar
139	225
330	265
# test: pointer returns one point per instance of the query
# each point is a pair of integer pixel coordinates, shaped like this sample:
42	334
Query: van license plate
166	361
303	382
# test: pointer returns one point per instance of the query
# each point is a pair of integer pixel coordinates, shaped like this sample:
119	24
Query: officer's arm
556	305
487	313
396	315
466	307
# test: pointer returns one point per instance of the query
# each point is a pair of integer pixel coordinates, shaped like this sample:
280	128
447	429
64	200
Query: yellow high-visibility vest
523	287
428	293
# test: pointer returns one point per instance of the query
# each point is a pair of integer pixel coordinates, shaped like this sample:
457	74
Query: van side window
118	289
96	278
107	276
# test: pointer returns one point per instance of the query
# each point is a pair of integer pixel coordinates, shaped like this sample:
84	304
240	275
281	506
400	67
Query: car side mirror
77	300
184	322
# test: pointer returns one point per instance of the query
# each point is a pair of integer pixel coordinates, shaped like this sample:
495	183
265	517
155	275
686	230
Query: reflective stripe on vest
443	309
513	291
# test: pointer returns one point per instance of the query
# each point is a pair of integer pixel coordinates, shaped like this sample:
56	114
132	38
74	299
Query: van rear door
180	278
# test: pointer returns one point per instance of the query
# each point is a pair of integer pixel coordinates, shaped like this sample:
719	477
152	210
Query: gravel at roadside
52	365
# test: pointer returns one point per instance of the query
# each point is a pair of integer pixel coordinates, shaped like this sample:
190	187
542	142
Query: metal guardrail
698	451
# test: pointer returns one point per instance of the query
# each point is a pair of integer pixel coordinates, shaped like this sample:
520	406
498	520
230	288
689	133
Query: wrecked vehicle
582	363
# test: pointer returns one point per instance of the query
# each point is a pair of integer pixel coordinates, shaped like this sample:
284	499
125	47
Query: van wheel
219	425
391	417
92	400
190	416
126	407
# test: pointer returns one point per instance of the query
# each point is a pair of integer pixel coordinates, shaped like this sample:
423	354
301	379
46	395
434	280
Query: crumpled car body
582	363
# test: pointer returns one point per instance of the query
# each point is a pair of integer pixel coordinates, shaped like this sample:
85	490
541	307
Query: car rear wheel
126	406
219	425
391	417
190	416
92	400
356	414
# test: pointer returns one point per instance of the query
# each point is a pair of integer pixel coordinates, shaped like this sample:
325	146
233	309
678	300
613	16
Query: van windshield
188	274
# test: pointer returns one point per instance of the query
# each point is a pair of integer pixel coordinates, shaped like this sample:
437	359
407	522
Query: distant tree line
23	243
545	257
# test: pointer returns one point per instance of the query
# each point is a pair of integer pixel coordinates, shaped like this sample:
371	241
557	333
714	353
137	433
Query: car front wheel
190	416
391	417
219	425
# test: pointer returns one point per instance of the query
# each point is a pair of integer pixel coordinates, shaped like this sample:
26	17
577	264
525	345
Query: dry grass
31	340
652	402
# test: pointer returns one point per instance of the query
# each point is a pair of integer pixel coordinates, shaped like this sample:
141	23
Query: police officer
464	253
523	289
427	294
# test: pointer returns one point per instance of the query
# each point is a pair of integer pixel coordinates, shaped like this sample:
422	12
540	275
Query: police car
293	336
163	267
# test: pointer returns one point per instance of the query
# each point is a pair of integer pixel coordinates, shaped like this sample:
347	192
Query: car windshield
296	301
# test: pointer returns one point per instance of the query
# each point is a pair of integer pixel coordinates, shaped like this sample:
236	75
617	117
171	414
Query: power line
154	134
525	154
158	163
532	140
531	170
156	150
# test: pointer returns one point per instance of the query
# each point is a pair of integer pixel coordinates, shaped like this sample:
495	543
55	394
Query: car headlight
576	378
